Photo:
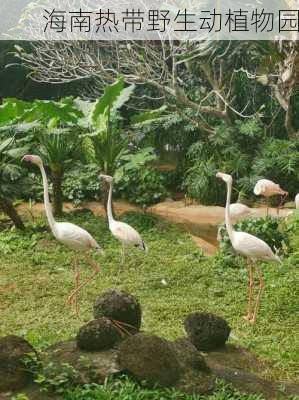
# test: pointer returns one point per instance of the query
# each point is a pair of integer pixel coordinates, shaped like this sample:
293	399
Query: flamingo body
252	247
75	237
267	188
238	210
126	234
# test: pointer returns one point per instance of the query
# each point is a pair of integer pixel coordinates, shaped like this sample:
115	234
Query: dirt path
201	221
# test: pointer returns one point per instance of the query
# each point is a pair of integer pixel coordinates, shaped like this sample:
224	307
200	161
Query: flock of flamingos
249	246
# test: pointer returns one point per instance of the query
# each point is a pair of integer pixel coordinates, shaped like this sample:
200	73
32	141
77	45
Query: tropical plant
12	181
137	179
81	183
279	160
104	141
231	149
57	148
45	126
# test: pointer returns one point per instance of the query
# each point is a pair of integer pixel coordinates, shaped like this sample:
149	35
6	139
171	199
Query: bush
138	181
278	160
200	183
82	183
292	228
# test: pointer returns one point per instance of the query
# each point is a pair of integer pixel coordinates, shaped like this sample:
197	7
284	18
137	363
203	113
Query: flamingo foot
247	317
252	320
71	299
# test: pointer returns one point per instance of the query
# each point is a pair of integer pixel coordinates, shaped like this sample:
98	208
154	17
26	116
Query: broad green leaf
123	98
4	145
108	99
20	127
148	116
12	110
17	152
64	111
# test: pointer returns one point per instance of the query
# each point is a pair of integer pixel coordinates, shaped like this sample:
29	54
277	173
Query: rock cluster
112	344
117	314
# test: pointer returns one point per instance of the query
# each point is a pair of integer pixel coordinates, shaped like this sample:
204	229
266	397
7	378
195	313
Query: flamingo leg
248	317
283	198
77	284
123	254
80	287
258	299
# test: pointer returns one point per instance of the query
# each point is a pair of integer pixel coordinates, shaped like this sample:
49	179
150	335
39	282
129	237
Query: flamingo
125	233
250	247
70	235
267	188
239	210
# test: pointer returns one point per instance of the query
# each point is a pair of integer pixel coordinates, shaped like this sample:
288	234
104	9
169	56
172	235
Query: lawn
36	276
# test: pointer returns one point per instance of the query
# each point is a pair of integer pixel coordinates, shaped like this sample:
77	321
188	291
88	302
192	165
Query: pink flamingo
267	188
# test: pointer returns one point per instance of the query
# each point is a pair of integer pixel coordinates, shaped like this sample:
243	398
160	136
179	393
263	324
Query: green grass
36	276
124	389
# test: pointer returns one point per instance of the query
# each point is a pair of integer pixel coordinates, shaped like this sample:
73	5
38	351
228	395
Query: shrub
138	181
279	161
82	183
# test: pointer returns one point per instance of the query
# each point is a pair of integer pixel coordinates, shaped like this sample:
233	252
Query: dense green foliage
137	180
246	133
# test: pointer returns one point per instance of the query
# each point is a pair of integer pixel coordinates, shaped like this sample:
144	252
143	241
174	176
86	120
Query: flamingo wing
253	247
75	237
126	233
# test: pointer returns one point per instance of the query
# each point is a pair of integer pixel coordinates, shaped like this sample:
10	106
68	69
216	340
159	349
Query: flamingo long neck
109	205
228	223
48	208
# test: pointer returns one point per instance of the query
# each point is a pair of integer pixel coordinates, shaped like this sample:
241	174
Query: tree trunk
8	208
289	122
57	176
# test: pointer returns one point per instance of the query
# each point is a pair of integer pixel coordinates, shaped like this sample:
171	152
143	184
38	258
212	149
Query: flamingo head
225	177
33	159
106	178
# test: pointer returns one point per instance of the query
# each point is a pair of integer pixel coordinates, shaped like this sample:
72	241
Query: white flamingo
250	247
267	188
71	235
239	210
125	233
